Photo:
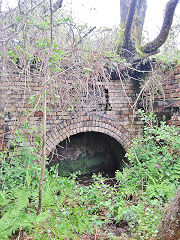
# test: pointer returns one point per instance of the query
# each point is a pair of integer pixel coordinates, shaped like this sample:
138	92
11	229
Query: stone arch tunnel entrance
88	153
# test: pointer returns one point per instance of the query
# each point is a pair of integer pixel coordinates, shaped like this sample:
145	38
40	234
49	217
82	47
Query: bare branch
85	35
29	11
46	78
161	38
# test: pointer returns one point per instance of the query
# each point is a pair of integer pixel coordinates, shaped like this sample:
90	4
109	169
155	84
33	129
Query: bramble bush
153	158
151	178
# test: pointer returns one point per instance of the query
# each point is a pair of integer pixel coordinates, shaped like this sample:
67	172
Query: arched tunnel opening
88	153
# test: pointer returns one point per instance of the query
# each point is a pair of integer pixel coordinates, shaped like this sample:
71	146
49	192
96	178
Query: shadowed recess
88	153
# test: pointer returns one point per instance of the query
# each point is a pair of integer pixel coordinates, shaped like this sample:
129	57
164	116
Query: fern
176	171
22	198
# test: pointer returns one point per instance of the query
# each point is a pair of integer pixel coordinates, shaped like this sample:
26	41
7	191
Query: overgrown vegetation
74	211
47	49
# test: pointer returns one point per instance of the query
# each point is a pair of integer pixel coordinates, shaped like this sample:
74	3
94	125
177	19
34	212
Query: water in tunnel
88	153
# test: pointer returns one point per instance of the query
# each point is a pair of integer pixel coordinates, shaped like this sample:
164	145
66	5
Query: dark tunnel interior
88	153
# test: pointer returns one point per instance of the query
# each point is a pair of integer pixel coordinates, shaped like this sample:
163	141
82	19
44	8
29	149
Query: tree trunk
0	6
132	21
169	228
161	38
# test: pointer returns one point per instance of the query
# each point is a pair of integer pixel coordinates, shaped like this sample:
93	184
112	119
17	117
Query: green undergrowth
73	211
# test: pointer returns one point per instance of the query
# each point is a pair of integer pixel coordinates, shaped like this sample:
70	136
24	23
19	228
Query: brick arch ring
67	128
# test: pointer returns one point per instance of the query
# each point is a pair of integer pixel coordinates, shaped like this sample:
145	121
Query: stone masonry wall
110	114
168	103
